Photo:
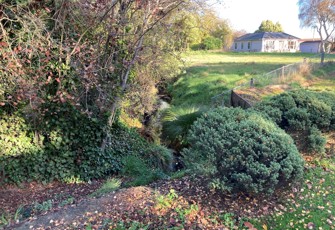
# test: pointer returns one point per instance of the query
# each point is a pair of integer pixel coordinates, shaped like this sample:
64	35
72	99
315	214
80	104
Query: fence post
252	82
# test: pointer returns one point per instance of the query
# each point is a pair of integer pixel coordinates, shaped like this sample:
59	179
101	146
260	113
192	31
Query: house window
241	45
236	45
291	45
270	45
249	45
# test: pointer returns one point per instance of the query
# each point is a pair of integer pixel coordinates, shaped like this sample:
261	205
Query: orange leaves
3	44
249	225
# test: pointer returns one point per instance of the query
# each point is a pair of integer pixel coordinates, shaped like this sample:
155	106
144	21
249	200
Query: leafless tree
319	14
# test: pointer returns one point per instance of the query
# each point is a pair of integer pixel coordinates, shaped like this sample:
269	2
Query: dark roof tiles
265	35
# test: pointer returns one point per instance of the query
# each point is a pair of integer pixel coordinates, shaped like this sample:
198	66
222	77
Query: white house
266	42
310	46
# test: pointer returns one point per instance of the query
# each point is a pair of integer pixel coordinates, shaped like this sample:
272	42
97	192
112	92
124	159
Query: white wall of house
310	47
280	45
266	45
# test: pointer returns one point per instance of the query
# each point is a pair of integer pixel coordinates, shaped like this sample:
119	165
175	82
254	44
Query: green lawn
206	57
211	73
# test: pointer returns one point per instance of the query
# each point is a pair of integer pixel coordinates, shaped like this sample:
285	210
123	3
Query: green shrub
271	112
297	118
209	43
316	142
300	109
97	163
242	151
329	99
15	136
212	43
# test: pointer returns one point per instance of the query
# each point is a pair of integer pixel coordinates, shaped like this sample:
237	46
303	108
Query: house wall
310	47
255	46
280	45
266	45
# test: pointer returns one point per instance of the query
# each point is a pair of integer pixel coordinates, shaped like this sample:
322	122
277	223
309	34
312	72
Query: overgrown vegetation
74	72
65	148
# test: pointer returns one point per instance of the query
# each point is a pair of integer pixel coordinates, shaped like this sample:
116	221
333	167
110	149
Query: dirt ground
136	204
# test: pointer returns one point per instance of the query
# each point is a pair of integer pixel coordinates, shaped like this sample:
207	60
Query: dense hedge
66	144
242	151
305	111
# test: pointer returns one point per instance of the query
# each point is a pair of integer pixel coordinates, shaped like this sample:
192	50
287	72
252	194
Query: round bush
315	109
242	151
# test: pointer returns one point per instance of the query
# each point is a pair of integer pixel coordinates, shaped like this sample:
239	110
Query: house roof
305	41
265	35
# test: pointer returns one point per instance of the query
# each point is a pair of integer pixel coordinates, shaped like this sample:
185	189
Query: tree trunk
322	57
322	53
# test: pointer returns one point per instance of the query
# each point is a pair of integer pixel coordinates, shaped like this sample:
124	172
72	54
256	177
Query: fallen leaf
310	225
309	185
249	225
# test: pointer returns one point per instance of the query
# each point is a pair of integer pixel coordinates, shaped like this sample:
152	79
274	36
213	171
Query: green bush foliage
242	151
310	108
316	142
303	110
209	43
15	136
297	118
329	99
67	144
212	43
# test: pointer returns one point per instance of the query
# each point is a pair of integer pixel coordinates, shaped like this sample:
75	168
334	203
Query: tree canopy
269	26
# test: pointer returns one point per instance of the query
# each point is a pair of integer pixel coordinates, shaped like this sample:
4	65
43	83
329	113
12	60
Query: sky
248	14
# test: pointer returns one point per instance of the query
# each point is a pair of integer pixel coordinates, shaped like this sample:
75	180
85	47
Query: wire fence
284	75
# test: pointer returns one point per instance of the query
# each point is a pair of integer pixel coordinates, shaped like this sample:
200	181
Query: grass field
211	73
